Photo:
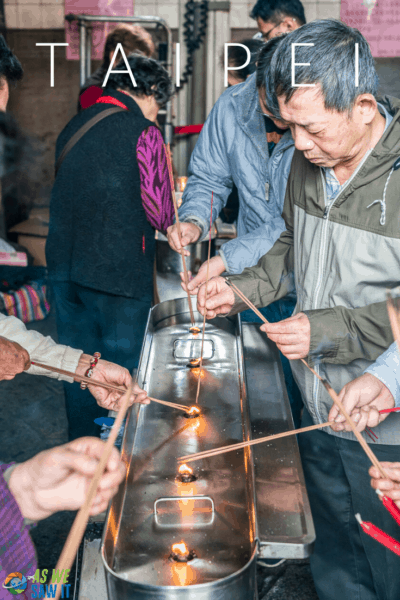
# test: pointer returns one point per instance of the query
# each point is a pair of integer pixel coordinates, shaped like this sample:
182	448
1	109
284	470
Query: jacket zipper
325	216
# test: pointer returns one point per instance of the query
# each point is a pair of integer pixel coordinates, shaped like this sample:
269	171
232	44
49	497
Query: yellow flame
194	411
185	470
180	548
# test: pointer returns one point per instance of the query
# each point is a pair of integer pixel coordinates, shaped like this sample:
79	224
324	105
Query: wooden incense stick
232	447
329	389
178	226
79	526
204	317
107	386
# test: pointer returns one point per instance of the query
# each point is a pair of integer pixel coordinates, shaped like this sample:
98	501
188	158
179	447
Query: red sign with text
378	21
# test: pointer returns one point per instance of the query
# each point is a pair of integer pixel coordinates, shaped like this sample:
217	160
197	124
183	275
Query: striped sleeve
154	180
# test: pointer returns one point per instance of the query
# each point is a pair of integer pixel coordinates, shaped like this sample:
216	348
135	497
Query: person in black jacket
111	191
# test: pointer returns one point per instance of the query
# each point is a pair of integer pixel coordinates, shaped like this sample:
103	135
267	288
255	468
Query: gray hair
331	64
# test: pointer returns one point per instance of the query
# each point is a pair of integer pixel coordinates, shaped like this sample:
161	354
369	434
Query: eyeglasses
267	34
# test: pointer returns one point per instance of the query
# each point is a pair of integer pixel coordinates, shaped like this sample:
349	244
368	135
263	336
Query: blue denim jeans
346	563
277	311
97	322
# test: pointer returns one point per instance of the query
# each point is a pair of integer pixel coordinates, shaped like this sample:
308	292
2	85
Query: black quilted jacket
99	236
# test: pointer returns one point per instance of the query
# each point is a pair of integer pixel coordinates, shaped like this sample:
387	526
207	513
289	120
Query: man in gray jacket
340	251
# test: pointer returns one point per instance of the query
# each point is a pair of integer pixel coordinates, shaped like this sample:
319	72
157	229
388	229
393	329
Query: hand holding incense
328	388
178	225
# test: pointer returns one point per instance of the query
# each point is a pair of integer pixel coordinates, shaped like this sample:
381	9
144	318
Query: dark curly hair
10	67
151	78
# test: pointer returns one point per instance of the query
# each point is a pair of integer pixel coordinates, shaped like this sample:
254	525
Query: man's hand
190	234
13	359
362	398
220	298
216	268
108	372
292	336
59	478
390	487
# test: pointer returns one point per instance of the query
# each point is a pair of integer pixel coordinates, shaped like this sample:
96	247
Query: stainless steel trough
242	505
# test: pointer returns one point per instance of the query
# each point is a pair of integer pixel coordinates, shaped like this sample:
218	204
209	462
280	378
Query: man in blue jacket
241	144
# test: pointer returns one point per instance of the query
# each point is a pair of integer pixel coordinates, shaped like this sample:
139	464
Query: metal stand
85	46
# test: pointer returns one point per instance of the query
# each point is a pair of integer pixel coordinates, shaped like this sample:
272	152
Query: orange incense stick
178	226
204	317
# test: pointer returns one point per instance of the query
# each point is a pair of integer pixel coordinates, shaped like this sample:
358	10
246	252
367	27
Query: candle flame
195	362
195	330
185	470
180	548
194	411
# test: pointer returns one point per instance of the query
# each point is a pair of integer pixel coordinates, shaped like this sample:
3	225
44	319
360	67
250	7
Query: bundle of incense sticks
178	226
204	317
107	386
328	388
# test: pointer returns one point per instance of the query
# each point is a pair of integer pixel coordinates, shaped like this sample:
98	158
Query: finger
285	339
225	298
356	417
362	423
94	447
283	327
391	468
384	485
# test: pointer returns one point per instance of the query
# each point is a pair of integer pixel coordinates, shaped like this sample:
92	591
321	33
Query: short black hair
275	10
151	78
10	67
237	56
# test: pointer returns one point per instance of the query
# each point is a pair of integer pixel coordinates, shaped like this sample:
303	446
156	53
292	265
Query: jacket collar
129	102
248	113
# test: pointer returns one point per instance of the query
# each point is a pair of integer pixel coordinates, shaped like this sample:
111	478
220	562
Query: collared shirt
333	187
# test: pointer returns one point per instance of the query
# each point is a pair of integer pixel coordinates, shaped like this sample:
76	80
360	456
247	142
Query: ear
366	108
290	23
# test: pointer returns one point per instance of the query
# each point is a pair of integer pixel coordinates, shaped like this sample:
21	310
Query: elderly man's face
326	137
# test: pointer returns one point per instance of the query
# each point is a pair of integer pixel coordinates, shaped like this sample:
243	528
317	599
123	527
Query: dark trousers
347	564
97	322
277	311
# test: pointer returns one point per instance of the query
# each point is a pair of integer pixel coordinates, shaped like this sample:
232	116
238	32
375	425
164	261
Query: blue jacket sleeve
246	250
209	170
387	369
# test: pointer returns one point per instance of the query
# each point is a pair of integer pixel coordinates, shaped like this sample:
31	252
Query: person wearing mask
111	192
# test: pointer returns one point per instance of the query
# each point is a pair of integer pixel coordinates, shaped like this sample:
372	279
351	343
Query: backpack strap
84	129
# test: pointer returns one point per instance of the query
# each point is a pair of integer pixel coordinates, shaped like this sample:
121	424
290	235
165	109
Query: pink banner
378	21
120	8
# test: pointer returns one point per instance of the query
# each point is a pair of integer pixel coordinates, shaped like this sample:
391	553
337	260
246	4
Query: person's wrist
83	364
23	489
